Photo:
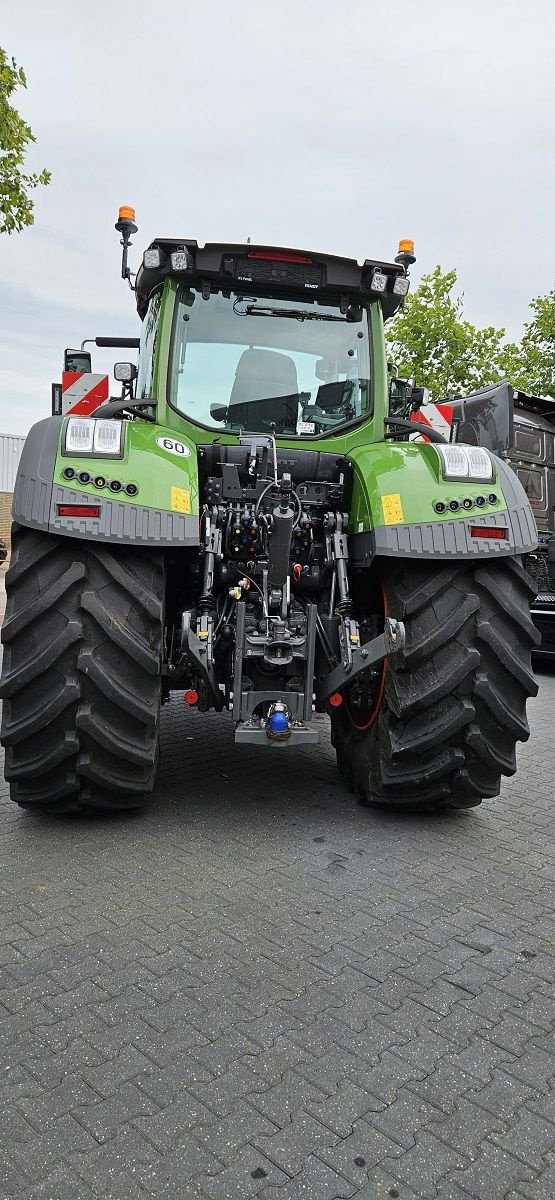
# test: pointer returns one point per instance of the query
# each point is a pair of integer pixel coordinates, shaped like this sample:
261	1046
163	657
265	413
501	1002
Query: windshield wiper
297	314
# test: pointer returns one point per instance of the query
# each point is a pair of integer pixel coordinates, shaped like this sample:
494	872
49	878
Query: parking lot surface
258	988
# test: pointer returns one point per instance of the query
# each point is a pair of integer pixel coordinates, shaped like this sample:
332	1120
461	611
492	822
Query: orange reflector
126	213
79	510
190	696
406	244
336	699
488	531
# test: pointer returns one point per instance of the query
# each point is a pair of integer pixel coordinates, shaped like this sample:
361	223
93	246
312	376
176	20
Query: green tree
531	365
16	205
430	340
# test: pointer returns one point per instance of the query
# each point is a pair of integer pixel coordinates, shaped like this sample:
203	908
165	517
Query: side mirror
218	412
399	396
125	372
77	361
419	396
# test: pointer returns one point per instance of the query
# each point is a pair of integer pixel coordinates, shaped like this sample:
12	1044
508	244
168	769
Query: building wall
5	515
10	454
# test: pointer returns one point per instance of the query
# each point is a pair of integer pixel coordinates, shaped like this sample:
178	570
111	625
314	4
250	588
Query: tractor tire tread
81	674
455	698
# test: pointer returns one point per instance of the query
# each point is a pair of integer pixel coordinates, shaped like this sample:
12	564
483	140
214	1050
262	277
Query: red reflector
279	256
79	510
336	699
488	531
190	696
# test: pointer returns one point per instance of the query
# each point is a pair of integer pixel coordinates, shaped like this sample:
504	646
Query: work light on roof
378	282
153	259
181	260
401	286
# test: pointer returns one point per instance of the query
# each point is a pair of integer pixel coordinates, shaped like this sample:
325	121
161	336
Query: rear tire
81	676
453	703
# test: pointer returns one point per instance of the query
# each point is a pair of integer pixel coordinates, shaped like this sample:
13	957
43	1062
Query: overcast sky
338	125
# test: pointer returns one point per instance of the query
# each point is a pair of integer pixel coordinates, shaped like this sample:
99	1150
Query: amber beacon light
405	254
125	225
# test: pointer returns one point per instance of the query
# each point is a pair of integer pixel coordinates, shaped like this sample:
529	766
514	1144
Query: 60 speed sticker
173	447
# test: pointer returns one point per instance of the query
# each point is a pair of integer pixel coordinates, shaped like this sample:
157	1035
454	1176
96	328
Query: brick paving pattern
258	988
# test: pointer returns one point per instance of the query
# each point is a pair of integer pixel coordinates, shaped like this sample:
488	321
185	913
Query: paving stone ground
258	988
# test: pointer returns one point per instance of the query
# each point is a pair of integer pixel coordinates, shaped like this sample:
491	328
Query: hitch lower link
354	658
359	659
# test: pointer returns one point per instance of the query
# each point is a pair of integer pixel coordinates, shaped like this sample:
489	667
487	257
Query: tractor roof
232	265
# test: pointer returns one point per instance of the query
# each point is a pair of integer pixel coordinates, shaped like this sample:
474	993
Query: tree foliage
430	340
16	204
531	365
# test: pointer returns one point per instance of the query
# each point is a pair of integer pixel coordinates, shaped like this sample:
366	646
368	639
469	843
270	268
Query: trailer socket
278	727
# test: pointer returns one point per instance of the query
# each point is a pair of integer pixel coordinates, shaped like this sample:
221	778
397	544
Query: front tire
453	705
81	676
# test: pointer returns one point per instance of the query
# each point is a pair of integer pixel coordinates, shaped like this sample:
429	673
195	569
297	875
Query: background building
10	454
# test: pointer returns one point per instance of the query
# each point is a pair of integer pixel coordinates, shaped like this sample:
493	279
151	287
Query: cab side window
147	352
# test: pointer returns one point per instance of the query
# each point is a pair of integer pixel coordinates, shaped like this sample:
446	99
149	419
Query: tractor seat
265	390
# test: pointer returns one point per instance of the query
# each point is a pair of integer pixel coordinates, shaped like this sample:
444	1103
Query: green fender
160	466
396	487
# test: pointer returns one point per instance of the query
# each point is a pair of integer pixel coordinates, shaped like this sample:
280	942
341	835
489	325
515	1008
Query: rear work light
181	260
401	285
153	259
488	531
279	256
93	436
459	461
378	283
78	510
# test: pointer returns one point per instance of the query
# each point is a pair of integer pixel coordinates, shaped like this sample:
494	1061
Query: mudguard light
465	462
480	464
79	435
84	435
107	437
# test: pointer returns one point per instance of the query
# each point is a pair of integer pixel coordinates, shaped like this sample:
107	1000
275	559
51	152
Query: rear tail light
279	256
488	531
78	510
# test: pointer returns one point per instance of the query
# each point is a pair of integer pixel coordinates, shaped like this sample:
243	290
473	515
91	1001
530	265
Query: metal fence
10	454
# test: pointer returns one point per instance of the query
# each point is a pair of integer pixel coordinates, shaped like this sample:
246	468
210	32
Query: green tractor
255	525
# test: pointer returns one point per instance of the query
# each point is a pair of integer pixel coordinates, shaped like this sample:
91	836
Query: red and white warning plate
82	393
